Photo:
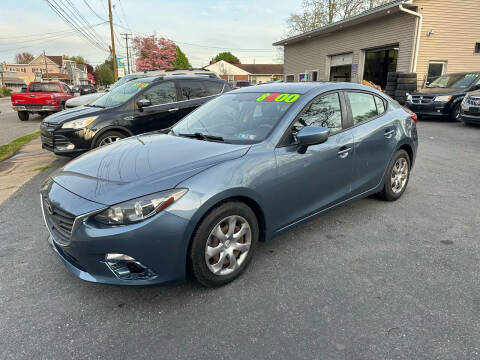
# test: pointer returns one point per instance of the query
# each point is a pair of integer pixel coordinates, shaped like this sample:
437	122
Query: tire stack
391	83
406	83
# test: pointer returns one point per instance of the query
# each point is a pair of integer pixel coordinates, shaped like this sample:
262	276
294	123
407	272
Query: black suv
444	95
138	106
84	89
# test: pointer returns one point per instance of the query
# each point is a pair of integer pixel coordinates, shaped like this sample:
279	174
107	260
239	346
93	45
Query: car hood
84	99
72	114
141	165
439	91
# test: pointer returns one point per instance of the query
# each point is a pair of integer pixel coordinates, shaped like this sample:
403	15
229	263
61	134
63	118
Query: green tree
228	57
105	73
181	60
78	59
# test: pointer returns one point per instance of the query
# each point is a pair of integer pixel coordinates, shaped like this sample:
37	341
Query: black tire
407	81
407	75
390	87
23	115
196	256
111	134
62	106
387	193
407	87
455	112
392	76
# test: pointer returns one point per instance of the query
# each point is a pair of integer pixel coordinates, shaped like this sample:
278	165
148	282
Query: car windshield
454	81
243	118
120	94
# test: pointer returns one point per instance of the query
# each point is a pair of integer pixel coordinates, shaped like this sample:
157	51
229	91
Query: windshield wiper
99	106
201	136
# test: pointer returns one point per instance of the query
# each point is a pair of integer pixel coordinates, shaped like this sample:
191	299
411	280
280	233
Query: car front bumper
430	109
470	117
36	108
65	141
158	245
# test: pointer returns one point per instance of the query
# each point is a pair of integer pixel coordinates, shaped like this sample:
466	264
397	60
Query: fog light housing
65	147
127	268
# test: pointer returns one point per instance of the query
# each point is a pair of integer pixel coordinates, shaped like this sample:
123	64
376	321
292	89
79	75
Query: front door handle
173	110
344	151
388	133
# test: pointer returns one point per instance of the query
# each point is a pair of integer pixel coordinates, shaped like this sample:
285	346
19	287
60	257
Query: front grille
60	140
472	100
422	99
59	222
47	141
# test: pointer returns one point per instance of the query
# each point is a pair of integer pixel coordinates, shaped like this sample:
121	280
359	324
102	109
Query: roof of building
261	69
55	76
56	59
371	14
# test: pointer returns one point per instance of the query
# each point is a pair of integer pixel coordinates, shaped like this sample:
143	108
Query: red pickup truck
42	98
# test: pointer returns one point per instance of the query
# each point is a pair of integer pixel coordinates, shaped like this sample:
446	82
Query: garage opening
378	63
341	67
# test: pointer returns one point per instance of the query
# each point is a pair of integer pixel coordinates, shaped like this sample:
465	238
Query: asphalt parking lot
372	280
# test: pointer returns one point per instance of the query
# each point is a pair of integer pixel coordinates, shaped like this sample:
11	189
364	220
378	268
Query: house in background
429	37
11	80
50	67
253	73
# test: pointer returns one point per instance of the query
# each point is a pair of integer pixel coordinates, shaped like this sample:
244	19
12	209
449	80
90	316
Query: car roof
172	77
301	88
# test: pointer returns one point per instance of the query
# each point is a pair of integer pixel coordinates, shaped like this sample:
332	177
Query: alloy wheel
399	175
228	245
109	140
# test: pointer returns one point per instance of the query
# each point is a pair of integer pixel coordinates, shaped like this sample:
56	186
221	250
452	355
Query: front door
375	133
321	177
163	111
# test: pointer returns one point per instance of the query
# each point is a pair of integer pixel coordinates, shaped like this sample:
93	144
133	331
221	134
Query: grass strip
11	148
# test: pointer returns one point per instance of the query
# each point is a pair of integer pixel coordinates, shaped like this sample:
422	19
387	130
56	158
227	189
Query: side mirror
311	135
141	103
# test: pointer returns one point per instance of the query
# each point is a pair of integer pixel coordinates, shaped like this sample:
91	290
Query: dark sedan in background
84	89
443	96
138	106
240	169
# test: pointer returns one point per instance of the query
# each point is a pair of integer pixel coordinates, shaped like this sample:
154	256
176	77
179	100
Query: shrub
4	91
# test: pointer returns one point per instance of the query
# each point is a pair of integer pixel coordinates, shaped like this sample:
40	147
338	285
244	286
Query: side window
363	106
162	93
324	111
213	87
380	105
192	89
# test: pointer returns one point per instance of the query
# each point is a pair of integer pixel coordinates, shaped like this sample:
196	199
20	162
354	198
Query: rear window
44	87
213	87
243	83
192	89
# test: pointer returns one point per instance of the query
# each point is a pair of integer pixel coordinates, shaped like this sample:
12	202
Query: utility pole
45	59
2	83
114	55
128	56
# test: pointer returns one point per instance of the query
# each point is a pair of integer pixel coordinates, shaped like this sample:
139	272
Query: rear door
163	112
376	135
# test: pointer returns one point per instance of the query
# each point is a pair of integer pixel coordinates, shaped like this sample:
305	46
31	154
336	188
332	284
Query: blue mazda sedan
238	170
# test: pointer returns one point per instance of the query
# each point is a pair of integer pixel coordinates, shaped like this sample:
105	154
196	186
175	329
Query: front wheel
455	114
397	176
224	244
109	138
23	115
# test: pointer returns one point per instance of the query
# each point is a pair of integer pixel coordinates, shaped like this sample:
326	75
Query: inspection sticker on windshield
140	84
288	98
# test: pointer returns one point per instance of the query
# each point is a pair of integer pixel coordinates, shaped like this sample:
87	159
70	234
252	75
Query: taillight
414	117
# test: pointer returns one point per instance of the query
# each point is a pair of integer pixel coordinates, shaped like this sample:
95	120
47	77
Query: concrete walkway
23	166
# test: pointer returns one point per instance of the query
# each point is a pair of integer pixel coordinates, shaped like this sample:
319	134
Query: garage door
342	59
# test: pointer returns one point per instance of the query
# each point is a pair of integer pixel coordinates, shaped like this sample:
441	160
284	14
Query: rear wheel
23	115
109	138
397	176
224	244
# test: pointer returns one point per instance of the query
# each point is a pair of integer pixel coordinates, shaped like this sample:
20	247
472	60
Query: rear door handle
344	151
388	133
173	110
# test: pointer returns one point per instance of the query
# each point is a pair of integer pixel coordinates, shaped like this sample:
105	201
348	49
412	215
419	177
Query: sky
202	28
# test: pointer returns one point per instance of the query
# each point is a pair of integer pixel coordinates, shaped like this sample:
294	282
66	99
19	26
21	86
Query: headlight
79	123
409	97
444	98
139	209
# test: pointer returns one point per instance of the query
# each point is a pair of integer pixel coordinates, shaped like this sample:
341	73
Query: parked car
444	95
84	89
138	106
41	98
83	100
240	169
470	111
239	84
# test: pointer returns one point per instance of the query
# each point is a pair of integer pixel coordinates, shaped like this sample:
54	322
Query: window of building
324	111
363	106
192	89
162	93
302	77
477	48
435	70
290	78
314	75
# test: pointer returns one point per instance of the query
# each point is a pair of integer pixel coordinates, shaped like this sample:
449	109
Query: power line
96	14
